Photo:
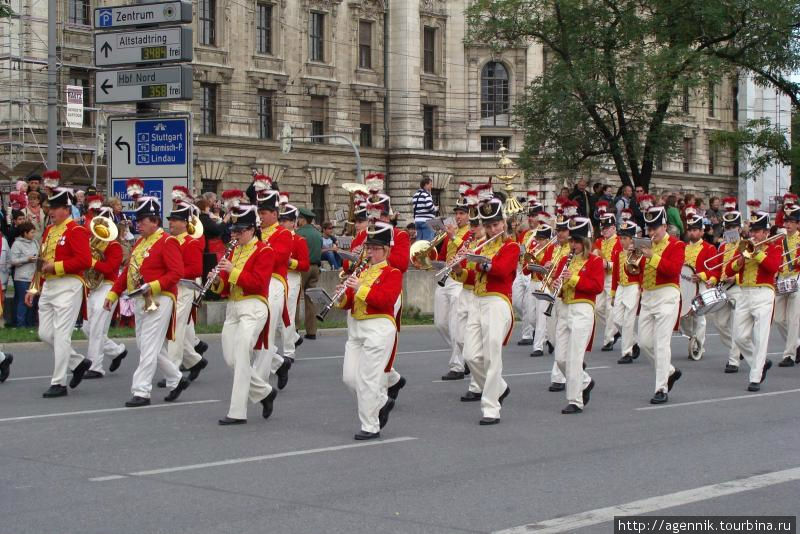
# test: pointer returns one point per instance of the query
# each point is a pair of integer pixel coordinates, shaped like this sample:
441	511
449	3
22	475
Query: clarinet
213	274
339	294
557	284
459	255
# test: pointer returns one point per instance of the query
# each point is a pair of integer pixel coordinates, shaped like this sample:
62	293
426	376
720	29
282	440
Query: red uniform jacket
72	253
357	241
544	256
758	271
499	279
399	255
162	268
109	265
299	261
697	259
442	252
620	273
192	252
664	267
280	240
607	252
586	282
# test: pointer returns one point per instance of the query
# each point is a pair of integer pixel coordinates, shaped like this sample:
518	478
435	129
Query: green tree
618	71
5	10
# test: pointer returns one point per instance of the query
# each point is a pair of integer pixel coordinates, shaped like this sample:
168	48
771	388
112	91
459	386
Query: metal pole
52	86
359	174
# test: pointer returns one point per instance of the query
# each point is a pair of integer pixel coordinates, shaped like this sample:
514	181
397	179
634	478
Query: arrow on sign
105	49
119	144
106	85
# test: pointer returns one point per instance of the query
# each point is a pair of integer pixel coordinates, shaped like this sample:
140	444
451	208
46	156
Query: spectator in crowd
424	210
78	207
411	228
24	253
708	233
34	213
581	196
625	201
564	193
12	232
714	214
309	278
34	182
214	228
673	214
329	248
5	266
699	205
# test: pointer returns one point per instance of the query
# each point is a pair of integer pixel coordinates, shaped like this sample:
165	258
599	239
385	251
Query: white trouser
366	354
181	350
268	360
626	303
445	318
59	305
536	309
96	328
393	377
520	296
466	306
751	320
574	325
483	349
659	312
151	340
723	321
244	321
556	376
289	335
604	311
787	319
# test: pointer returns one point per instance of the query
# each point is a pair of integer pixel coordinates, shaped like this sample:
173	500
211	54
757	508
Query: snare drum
709	301
786	286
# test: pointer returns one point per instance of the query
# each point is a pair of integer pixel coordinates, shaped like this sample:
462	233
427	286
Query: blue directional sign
149	148
152	188
161	142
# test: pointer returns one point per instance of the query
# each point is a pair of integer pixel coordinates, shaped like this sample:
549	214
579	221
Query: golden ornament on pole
512	207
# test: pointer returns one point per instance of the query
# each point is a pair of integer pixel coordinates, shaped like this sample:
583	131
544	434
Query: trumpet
103	230
558	284
340	293
424	252
213	274
635	257
36	282
530	255
746	248
150	305
457	258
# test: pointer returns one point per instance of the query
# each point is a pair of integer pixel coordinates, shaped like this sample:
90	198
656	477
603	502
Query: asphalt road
86	464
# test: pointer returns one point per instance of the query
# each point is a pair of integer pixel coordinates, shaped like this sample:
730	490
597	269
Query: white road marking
399	353
721	399
526	374
28	378
107	410
572	523
234	461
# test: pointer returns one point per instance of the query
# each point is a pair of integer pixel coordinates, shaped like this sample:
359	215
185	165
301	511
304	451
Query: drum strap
787	253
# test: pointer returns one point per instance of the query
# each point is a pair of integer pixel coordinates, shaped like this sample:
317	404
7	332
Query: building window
79	12
711	100
735	157
81	78
208	108
428	126
735	100
687	154
318	202
366	124
318	109
659	163
209	186
494	95
546	58
264	29
207	17
492	143
685	100
364	45
712	157
429	50
266	102
317	37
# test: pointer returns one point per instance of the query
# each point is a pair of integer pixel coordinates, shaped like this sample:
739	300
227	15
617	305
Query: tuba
195	227
352	188
423	253
103	230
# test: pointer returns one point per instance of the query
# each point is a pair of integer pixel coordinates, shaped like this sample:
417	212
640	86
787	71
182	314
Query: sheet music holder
437	225
477	259
190	284
344	241
318	296
349	256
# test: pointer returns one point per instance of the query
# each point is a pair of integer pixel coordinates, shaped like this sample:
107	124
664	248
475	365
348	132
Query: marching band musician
753	312
582	277
544	255
558	382
66	255
625	292
268	361
521	296
154	269
246	276
660	266
606	247
698	252
298	263
446	297
98	318
491	318
370	299
787	306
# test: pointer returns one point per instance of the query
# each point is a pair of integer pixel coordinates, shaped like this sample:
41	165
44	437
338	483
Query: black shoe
310	336
55	391
753	386
231	421
298	342
175	393
731	368
5	367
504	395
659	398
161	383
570	409
453	375
363	436
635	351
383	414
525	341
137	402
283	373
786	362
608	347
767	367
78	372
550	347
537	354
194	372
488	421
201	347
466	369
89	375
557	386
395	389
470	396
587	393
674	377
797	355
626	359
117	360
266	404
616	337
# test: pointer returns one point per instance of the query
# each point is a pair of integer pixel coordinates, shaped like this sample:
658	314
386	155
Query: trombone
745	248
530	255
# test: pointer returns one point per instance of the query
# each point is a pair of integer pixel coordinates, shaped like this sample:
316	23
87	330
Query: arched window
494	95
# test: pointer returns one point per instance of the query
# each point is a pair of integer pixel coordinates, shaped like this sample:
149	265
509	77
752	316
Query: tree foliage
5	10
617	71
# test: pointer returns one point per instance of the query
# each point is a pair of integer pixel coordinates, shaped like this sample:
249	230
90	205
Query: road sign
139	15
161	188
163	45
144	85
74	106
157	147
